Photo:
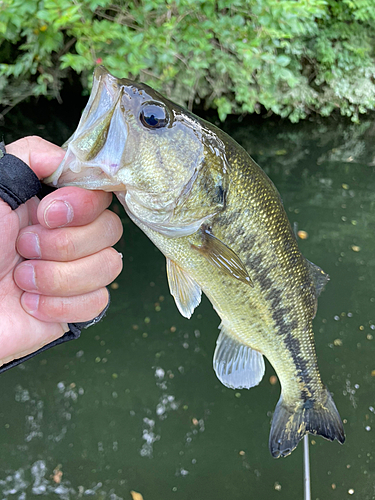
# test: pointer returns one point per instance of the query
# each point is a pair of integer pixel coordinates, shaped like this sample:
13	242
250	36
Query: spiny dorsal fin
221	256
319	277
186	292
236	365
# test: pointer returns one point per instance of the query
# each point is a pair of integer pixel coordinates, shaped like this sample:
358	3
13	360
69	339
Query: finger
42	156
72	206
66	279
38	335
71	243
65	309
27	212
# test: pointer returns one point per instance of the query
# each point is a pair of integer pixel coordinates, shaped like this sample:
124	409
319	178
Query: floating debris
303	235
333	486
273	379
115	285
182	472
351	491
337	342
242	453
345	186
277	486
355	248
136	496
57	474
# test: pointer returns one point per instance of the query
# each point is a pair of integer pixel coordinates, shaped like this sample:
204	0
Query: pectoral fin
186	292
236	365
221	256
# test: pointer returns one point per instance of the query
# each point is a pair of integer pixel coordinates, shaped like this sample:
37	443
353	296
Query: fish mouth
95	152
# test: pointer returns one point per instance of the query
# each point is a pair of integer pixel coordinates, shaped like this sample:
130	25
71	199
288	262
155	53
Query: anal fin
186	292
236	365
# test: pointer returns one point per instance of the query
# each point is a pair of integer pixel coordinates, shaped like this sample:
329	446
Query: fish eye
154	116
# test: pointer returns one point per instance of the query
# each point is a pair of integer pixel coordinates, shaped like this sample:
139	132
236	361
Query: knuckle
62	278
53	278
110	228
55	307
99	301
114	262
75	309
58	279
116	227
65	245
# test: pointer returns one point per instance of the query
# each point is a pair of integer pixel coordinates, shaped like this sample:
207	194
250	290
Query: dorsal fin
186	292
319	277
237	365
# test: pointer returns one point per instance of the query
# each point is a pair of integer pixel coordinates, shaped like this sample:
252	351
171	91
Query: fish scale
221	225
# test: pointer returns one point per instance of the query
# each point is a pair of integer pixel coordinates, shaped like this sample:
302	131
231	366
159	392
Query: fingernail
30	302
25	277
28	245
58	214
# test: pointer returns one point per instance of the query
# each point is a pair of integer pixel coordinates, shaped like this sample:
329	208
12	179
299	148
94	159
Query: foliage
290	57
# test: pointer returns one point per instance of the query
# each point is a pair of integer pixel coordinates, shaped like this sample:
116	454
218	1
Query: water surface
135	404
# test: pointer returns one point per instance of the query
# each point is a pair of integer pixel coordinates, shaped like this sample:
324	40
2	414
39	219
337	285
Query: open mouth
95	151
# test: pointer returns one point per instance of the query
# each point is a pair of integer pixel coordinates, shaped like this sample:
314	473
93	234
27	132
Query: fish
220	222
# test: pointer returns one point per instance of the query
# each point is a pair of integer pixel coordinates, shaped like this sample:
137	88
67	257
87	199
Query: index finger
72	206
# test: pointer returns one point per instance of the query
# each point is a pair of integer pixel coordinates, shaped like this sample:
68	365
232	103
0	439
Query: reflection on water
166	403
135	405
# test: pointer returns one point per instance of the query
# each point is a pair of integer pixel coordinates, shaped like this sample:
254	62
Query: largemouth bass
221	225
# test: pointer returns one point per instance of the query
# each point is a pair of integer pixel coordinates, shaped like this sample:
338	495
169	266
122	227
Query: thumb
42	156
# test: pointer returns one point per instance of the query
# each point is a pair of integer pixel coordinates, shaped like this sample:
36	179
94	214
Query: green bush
292	58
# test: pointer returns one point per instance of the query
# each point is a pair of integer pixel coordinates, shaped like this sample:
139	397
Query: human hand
67	239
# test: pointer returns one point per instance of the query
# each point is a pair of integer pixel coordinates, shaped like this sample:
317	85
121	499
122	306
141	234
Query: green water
135	404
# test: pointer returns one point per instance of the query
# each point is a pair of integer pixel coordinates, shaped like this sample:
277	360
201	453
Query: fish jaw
95	152
153	171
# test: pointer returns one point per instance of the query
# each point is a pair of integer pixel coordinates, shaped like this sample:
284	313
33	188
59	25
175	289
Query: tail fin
290	424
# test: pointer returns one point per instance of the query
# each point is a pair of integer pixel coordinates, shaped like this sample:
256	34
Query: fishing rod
306	469
306	454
